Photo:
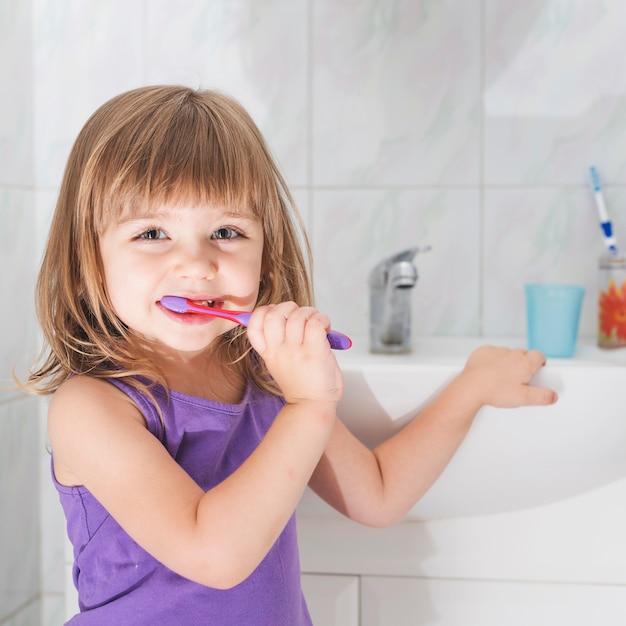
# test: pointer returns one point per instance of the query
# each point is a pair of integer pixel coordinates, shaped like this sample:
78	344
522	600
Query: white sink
512	458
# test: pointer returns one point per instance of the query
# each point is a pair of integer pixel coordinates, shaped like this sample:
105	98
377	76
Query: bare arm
379	487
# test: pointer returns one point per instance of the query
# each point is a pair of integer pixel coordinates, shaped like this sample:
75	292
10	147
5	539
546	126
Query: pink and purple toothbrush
338	341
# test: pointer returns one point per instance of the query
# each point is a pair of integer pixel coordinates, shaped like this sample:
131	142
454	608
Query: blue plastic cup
552	316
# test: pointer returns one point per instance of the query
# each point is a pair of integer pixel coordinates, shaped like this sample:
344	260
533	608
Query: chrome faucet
390	285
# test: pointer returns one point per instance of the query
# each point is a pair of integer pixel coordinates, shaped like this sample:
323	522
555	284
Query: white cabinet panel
396	601
332	600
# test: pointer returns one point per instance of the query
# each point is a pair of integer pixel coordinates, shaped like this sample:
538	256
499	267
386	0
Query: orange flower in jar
612	311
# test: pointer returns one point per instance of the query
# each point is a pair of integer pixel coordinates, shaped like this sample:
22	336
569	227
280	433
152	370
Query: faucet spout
390	285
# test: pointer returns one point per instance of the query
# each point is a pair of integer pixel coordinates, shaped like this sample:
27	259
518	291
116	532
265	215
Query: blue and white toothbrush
605	222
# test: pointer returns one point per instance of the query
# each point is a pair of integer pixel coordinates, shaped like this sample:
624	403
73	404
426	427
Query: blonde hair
149	146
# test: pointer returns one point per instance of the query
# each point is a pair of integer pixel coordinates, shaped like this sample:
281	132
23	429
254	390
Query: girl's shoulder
84	414
85	395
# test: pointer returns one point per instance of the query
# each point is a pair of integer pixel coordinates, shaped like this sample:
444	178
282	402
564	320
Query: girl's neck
206	377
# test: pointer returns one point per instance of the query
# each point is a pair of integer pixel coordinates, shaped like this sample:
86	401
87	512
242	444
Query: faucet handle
380	274
408	254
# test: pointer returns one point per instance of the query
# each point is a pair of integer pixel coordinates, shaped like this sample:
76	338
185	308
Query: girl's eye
225	233
153	234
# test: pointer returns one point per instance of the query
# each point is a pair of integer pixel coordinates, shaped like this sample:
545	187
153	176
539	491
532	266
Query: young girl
182	443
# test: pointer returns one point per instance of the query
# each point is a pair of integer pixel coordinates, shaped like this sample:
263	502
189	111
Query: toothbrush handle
338	341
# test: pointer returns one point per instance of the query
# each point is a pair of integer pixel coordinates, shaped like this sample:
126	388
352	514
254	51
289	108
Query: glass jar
612	301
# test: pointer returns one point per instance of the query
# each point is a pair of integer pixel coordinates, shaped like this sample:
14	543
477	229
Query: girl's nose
196	261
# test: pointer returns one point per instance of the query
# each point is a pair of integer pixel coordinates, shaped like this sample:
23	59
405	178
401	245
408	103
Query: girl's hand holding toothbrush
293	342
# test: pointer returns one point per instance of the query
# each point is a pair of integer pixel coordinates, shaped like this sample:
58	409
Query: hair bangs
185	154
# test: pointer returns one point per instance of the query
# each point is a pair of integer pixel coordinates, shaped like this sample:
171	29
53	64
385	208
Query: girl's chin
183	346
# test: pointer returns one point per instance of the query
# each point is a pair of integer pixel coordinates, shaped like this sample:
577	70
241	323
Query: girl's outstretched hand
292	341
502	377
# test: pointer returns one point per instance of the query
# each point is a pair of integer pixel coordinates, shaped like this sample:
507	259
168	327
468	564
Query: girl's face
206	253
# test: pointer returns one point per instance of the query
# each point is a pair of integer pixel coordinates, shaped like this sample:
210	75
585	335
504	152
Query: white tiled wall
468	125
19	521
20	543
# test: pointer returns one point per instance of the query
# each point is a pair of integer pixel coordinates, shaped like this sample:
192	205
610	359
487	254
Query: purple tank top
119	583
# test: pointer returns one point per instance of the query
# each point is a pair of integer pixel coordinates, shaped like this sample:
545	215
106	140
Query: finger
256	333
537	357
306	326
317	329
295	325
540	396
313	333
275	322
531	362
